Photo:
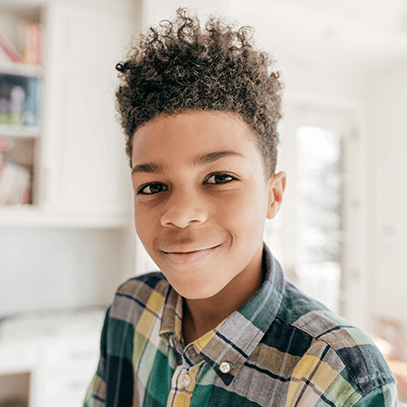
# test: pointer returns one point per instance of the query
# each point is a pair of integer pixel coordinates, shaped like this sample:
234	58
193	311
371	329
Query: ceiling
362	36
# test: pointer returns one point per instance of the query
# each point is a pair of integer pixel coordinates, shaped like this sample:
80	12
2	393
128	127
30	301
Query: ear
276	187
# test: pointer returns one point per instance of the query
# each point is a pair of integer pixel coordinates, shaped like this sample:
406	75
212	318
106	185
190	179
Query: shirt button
224	367
184	380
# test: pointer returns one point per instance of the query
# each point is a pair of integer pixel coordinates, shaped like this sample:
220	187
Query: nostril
182	218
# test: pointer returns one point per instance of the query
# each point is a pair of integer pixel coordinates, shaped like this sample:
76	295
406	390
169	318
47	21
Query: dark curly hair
179	66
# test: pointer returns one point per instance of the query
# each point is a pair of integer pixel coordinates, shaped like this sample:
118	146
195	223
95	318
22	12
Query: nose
184	209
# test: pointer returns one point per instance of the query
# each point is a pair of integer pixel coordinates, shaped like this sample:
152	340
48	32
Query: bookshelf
65	134
20	101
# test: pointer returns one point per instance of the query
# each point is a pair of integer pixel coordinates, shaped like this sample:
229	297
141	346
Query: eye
152	188
220	178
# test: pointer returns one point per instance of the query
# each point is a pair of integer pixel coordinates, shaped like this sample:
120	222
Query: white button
184	380
224	367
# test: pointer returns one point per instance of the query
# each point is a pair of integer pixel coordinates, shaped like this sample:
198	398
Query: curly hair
180	66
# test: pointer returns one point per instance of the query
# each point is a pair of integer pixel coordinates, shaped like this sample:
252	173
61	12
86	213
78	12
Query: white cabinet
81	172
16	358
59	369
65	369
49	360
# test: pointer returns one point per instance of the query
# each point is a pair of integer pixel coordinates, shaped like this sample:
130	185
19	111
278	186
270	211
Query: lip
184	257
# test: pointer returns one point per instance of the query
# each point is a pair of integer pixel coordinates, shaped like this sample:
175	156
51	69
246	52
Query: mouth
188	257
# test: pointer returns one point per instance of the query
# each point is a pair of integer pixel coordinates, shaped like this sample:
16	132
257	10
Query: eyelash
232	178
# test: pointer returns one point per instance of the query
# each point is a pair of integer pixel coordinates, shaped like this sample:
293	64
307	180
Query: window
313	236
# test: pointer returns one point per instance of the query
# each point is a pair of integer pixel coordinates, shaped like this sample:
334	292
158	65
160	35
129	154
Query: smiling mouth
189	257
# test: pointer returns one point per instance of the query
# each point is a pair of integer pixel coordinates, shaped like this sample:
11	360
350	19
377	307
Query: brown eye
153	188
219	179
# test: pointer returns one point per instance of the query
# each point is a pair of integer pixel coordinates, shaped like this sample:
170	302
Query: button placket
182	386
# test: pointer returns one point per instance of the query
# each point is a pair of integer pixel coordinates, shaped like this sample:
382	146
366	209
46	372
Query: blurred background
67	238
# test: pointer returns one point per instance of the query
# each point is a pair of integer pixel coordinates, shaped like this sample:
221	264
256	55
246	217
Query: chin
198	294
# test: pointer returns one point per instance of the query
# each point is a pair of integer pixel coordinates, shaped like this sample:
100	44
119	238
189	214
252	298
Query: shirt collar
232	341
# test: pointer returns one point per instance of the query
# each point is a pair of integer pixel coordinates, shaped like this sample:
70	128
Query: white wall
61	268
388	175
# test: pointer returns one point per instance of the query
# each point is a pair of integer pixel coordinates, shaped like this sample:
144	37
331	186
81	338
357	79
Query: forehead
192	133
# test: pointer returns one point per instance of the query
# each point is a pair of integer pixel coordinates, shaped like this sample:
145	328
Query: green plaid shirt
281	348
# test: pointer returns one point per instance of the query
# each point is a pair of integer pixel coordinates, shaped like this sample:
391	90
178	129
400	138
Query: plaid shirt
281	348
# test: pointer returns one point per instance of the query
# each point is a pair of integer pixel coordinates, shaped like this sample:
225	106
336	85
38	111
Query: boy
219	325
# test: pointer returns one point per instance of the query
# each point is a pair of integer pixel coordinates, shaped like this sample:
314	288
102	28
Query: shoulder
339	358
142	286
146	291
136	295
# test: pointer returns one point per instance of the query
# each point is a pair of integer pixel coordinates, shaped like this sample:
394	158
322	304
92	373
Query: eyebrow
197	161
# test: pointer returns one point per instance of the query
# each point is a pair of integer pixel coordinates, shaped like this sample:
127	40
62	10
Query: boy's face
201	199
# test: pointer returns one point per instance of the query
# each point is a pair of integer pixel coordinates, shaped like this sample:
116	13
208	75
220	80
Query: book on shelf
15	184
32	43
32	112
4	58
8	50
27	47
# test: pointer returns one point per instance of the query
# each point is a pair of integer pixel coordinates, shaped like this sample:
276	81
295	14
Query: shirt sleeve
385	396
96	393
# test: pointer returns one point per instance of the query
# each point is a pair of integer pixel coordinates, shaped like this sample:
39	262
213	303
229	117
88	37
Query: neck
202	315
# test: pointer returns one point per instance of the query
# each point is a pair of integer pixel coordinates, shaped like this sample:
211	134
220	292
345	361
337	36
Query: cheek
144	225
245	213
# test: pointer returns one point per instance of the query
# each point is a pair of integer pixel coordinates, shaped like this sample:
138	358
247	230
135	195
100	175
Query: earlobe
276	187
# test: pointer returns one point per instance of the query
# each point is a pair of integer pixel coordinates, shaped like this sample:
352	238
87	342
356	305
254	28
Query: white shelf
12	68
34	216
19	131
